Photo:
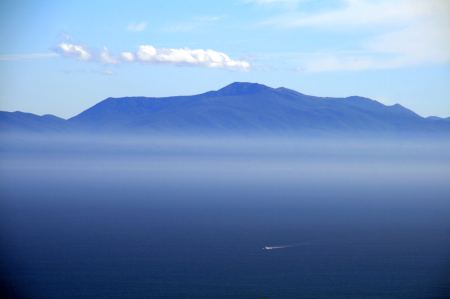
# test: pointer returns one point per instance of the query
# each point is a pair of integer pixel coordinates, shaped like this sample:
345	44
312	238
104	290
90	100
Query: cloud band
148	54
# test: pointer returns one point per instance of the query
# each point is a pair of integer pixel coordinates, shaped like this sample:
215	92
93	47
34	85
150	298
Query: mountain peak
287	91
239	88
237	108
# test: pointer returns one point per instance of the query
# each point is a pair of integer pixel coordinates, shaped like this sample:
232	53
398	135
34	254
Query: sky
61	57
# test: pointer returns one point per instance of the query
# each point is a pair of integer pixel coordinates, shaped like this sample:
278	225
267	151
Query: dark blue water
176	220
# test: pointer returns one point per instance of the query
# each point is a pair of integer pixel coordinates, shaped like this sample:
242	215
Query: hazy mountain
21	121
438	118
238	107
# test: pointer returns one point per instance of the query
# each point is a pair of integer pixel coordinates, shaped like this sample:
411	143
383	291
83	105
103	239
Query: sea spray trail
285	246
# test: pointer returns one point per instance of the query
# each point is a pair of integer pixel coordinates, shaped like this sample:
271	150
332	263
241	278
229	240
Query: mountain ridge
237	107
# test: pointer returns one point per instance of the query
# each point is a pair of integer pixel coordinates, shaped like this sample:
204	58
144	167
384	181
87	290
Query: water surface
193	218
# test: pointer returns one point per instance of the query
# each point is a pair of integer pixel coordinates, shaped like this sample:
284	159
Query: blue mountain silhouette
238	107
21	121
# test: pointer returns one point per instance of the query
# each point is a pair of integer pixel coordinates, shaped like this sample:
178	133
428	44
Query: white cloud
186	56
106	58
360	13
127	56
420	43
151	55
146	53
137	27
399	33
73	50
27	56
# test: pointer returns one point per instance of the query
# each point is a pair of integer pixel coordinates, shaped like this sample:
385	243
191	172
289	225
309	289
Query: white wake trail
284	246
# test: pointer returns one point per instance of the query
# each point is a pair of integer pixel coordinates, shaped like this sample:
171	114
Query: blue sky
61	58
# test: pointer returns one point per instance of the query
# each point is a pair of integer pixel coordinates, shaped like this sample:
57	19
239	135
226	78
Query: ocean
224	217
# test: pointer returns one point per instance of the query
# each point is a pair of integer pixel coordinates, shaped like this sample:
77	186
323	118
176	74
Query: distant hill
21	121
236	108
438	118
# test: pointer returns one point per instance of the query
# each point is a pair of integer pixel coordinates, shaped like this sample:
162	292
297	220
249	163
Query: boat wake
283	246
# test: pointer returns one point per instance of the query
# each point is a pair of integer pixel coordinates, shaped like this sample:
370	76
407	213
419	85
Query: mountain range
237	108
